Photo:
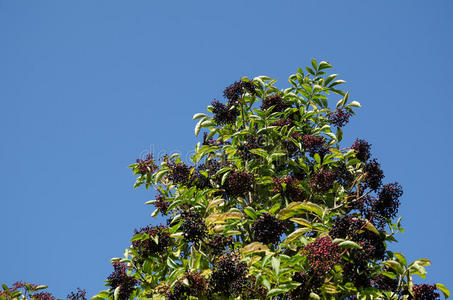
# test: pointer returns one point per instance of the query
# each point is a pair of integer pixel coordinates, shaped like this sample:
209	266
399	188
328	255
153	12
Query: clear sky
88	86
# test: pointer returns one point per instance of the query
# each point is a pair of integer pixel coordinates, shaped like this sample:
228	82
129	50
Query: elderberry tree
271	207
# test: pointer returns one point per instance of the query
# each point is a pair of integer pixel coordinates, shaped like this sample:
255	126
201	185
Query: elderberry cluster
229	276
309	281
339	117
224	114
237	89
374	175
193	226
385	283
147	165
362	149
322	180
179	173
276	102
289	186
268	229
346	226
238	183
120	279
43	296
314	144
218	243
425	292
79	295
149	246
386	206
161	204
251	142
322	255
281	123
196	286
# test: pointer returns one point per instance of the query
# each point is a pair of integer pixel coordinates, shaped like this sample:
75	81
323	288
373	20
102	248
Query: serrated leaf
295	234
329	79
159	175
401	259
295	208
276	265
254	247
260	152
443	289
214	203
275	292
349	244
222	217
301	221
224	177
116	293
355	104
337	82
314	63
369	226
199	115
198	126
394	265
314	296
249	211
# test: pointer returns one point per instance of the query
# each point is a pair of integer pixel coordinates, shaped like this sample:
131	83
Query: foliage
272	206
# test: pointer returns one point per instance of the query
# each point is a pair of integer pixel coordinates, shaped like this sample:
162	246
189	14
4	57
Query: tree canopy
270	206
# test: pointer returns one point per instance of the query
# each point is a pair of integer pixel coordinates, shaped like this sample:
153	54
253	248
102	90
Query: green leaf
260	152
254	247
324	65
198	126
198	116
401	259
329	79
295	234
116	293
317	158
369	226
394	265
354	104
249	211
301	221
349	244
276	265
339	134
310	70
214	203
295	208
224	177
337	82
444	290
314	296
159	175
314	63
275	292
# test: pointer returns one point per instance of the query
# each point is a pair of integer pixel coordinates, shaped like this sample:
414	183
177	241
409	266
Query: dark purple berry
238	183
374	175
339	117
276	101
268	229
362	149
193	226
120	279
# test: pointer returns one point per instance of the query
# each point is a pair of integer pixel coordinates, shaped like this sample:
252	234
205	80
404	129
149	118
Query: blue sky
88	86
